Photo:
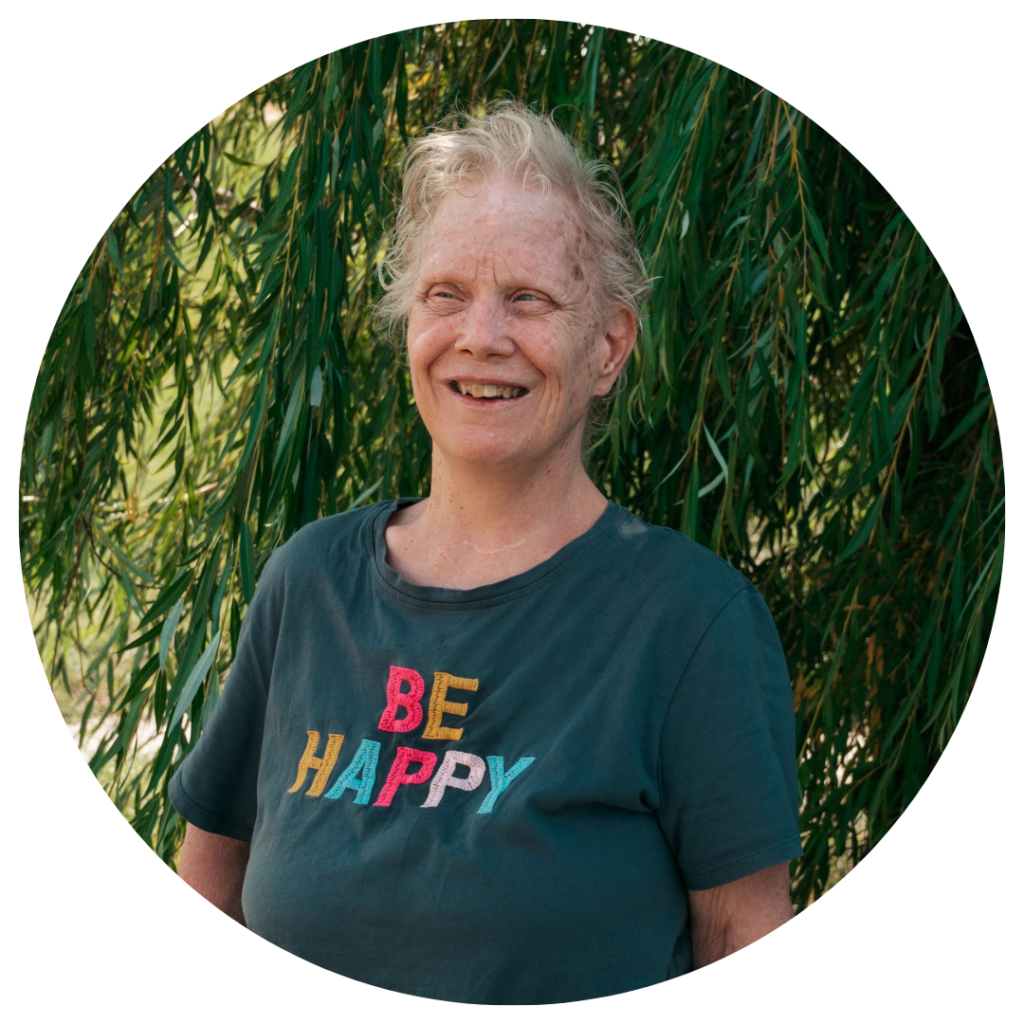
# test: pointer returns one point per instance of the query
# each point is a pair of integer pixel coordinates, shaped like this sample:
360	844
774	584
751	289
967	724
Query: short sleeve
727	773
215	787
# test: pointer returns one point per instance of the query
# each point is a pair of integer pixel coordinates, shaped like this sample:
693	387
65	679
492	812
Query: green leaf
218	598
708	488
195	679
247	559
120	555
717	454
290	418
167	597
818	234
316	389
238	161
129	590
113	250
862	534
139	641
167	633
980	409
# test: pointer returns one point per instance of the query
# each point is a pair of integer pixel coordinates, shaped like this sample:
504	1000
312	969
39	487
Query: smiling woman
806	401
626	696
516	287
501	305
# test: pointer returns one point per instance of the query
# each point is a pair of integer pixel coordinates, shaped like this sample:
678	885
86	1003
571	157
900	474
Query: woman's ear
618	337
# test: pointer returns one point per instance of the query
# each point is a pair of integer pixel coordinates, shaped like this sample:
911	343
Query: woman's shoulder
663	556
318	545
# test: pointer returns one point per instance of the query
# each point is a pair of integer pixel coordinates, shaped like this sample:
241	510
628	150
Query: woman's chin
489	452
489	458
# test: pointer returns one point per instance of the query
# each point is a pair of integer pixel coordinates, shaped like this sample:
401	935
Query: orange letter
439	706
322	765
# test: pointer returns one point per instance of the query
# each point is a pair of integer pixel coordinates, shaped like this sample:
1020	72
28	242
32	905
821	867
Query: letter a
365	761
322	765
410	700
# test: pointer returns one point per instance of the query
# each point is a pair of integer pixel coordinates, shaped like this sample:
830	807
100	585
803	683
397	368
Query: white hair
512	140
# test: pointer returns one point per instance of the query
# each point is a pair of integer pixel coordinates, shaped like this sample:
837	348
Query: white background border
95	96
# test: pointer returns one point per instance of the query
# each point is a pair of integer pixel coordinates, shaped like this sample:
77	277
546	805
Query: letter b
410	700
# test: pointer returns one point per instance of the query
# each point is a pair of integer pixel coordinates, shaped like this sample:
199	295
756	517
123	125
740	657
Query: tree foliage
807	401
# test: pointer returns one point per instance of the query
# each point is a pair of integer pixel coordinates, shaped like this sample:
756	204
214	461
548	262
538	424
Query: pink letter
410	700
398	777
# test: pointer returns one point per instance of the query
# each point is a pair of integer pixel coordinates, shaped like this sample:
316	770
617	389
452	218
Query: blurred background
808	401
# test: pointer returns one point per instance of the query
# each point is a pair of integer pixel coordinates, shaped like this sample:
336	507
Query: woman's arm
215	867
732	916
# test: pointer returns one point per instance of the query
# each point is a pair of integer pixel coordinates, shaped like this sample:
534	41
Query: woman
507	744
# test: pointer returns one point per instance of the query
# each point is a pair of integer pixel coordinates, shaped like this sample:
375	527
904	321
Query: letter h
321	765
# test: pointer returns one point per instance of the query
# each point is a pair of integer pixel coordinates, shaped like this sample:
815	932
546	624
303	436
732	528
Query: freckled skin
504	297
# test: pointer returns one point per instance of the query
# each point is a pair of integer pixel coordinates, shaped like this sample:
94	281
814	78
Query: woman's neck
482	524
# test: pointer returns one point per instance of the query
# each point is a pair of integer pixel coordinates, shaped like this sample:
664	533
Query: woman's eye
527	297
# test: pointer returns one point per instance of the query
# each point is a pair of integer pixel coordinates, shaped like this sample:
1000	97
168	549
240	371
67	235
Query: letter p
399	777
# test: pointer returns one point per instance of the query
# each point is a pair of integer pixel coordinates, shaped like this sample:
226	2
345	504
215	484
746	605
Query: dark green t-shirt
498	795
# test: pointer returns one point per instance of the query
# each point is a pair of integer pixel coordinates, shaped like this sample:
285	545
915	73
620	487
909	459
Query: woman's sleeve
727	771
215	788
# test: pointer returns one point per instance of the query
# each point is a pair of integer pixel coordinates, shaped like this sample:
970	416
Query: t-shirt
498	795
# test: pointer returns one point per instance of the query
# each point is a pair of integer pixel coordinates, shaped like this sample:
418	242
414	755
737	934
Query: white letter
444	776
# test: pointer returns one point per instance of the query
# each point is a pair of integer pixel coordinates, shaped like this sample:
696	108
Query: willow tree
807	401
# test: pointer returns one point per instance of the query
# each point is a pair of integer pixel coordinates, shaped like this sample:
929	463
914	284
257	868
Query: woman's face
507	343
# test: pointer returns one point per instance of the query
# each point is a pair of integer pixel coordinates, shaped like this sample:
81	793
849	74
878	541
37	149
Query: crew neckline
508	589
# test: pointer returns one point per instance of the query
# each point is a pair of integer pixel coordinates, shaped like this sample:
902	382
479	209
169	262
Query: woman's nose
487	330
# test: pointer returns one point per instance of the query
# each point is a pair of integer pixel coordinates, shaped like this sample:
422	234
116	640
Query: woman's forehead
502	218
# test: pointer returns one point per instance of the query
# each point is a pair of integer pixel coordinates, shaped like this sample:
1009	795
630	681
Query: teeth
489	390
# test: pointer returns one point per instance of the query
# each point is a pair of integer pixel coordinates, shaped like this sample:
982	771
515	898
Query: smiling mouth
475	390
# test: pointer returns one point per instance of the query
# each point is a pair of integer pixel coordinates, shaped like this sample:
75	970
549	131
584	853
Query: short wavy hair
512	140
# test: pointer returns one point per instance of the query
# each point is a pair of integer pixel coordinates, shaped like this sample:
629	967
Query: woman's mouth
475	389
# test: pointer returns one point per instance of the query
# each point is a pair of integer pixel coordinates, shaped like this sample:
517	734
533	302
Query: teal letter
499	779
365	761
